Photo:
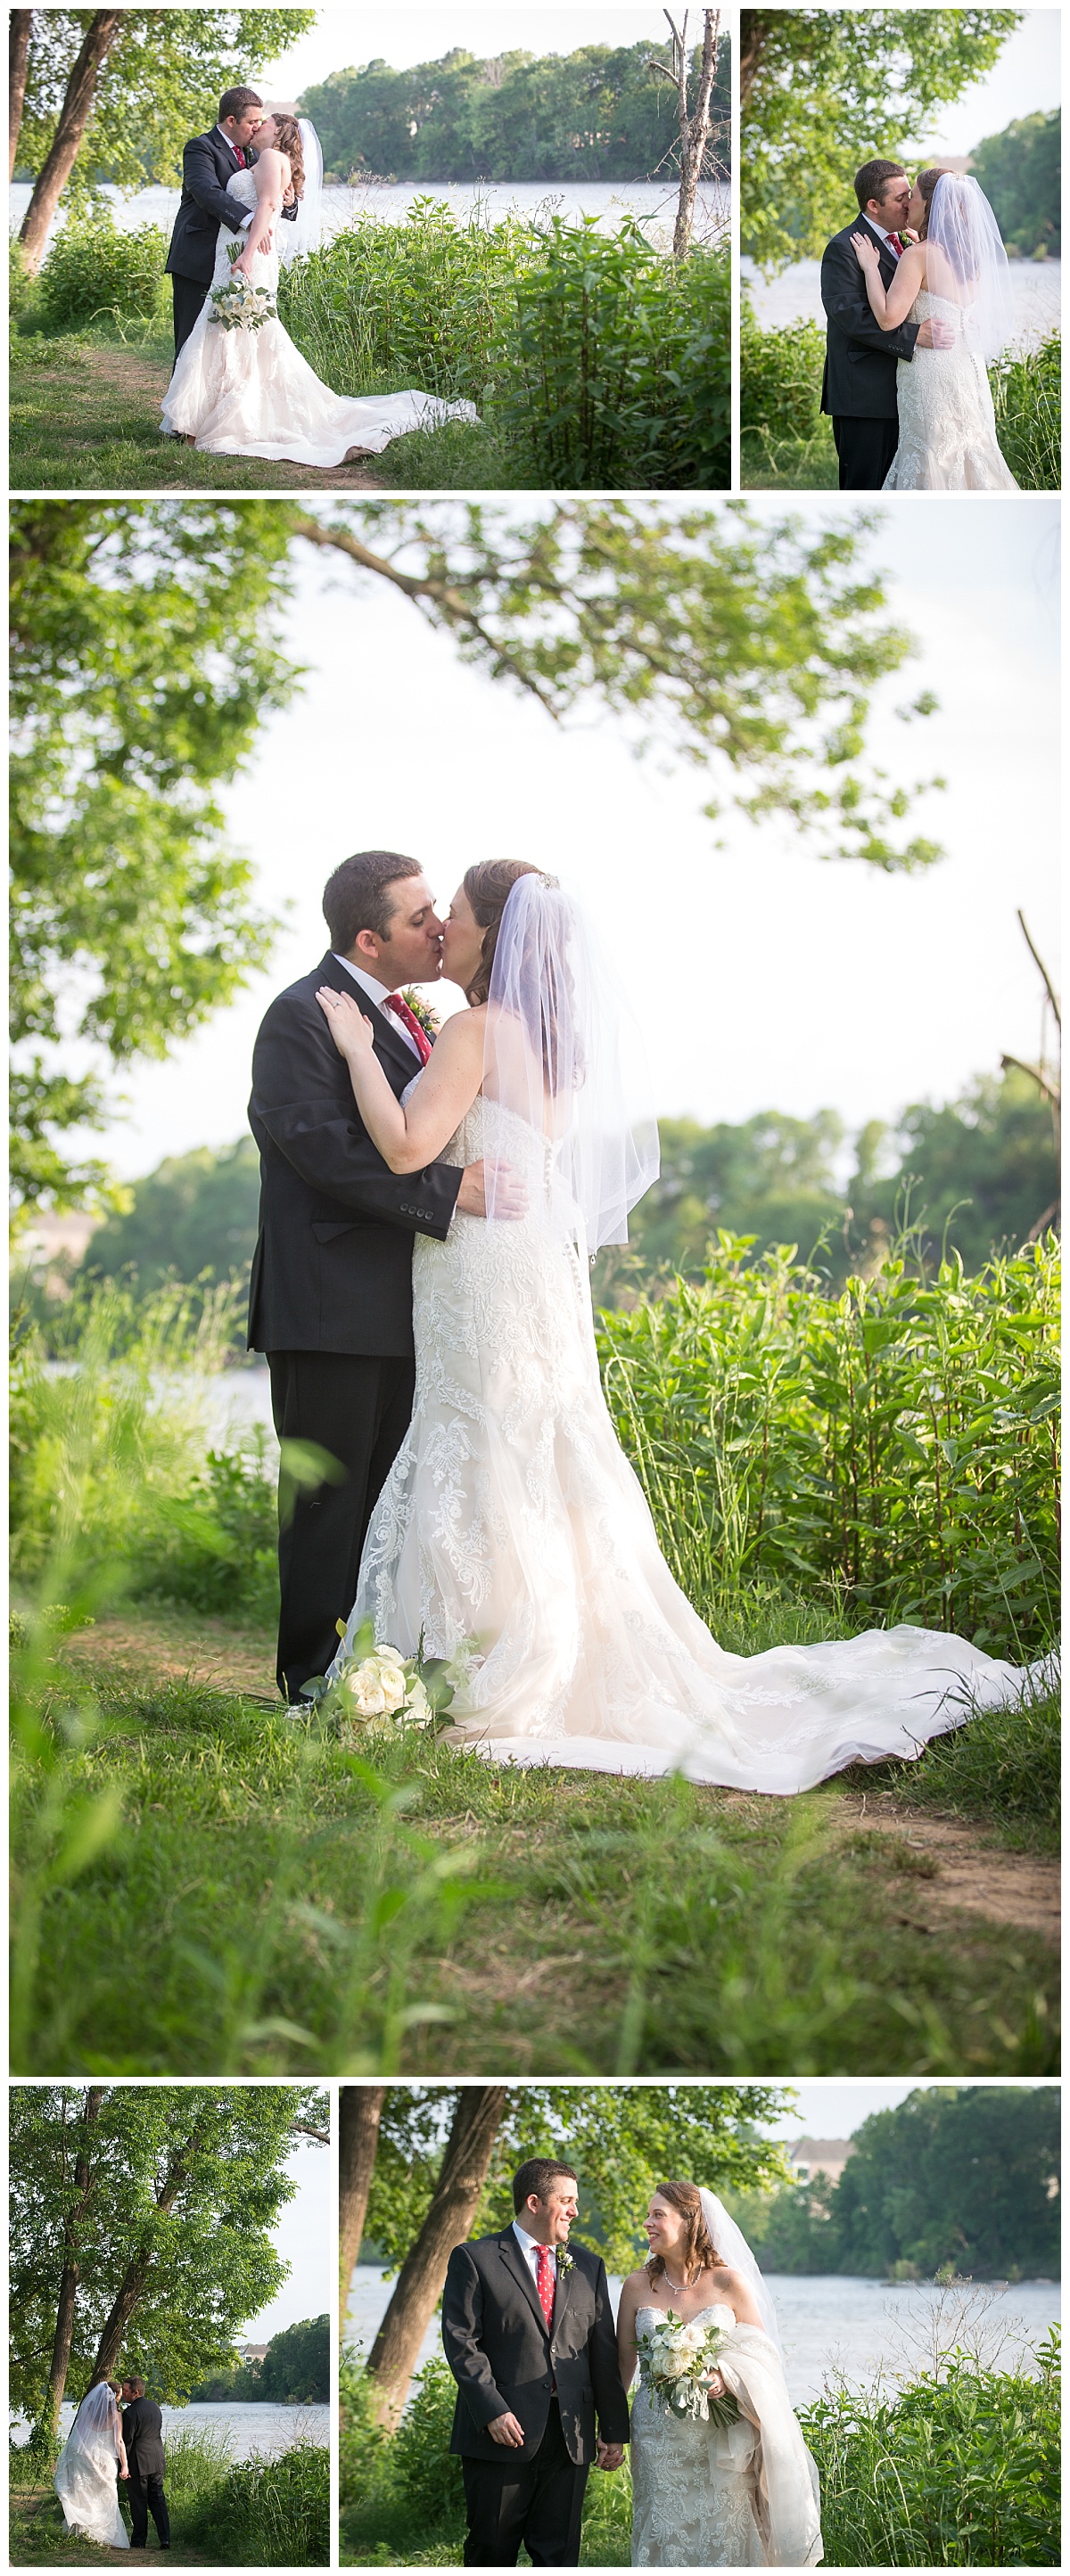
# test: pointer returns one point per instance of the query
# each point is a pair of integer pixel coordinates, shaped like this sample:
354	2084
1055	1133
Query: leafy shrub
780	376
612	365
1027	395
958	2471
427	2474
93	270
896	1444
415	304
267	2513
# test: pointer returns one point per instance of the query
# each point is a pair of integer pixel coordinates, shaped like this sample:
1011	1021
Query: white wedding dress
947	426
84	2477
512	1516
739	2495
251	393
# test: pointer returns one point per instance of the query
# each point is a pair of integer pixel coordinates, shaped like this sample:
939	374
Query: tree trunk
360	2109
476	2122
752	34
132	2284
64	148
18	57
71	2273
694	129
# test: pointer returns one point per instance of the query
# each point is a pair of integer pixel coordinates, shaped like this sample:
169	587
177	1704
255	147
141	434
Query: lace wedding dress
84	2479
742	2495
512	1516
251	393
947	426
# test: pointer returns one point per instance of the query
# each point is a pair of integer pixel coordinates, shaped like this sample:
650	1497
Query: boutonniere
422	1011
564	2260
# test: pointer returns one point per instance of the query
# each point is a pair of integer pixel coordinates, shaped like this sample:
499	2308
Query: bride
957	272
510	1515
247	391
740	2495
84	2477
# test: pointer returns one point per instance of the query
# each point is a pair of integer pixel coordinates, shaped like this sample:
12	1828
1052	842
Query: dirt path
165	1643
82	415
953	1866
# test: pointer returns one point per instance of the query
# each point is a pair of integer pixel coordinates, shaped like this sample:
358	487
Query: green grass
250	2513
958	2468
295	1908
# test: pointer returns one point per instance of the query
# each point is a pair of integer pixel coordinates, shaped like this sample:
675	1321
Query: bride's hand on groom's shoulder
352	1033
865	250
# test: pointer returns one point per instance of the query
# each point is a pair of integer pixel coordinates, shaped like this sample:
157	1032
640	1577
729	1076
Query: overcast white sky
342	37
812	984
1025	77
303	2237
828	2108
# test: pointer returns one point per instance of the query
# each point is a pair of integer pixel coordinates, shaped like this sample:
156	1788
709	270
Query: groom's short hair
235	101
871	179
357	896
536	2176
138	2386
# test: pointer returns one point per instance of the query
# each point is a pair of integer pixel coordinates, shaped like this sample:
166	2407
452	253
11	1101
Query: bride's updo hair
488	886
698	2252
927	188
288	140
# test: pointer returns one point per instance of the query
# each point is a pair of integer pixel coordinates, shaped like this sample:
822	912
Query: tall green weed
893	1449
958	2469
94	272
1027	398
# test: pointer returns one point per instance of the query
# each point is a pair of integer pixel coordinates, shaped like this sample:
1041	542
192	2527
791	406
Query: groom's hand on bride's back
510	1195
935	334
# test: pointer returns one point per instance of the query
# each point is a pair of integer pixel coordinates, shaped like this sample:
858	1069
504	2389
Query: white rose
389	1655
419	1705
364	1688
391	1684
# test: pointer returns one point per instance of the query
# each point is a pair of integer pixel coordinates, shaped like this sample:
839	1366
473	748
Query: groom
207	164
529	2336
143	2444
859	388
330	1298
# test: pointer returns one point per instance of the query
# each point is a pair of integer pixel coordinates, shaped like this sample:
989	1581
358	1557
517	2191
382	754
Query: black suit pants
147	2496
865	449
537	2501
187	296
358	1410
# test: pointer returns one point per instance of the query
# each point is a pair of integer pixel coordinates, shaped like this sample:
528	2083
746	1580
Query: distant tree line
983	1169
600	113
1020	172
957	2181
295	2371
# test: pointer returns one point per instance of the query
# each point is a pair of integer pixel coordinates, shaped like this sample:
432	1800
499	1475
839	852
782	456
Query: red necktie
396	1002
895	246
238	155
544	2282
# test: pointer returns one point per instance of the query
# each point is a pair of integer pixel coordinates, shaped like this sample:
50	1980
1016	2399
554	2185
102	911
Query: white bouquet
240	306
677	2361
376	1684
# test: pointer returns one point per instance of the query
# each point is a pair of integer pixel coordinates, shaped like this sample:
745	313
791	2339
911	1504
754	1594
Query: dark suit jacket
207	164
860	358
143	2438
505	2358
332	1270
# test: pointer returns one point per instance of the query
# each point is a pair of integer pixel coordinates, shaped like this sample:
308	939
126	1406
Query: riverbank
262	2511
294	1905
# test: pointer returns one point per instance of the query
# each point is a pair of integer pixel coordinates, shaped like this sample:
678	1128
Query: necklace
677	2287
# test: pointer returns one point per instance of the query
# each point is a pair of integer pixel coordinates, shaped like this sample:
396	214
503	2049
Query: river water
830	2327
259	2431
652	202
795	296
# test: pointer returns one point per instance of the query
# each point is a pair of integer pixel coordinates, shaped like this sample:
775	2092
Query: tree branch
452	605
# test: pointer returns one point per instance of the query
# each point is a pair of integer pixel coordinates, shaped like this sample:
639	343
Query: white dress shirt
883	236
531	2249
377	993
246	219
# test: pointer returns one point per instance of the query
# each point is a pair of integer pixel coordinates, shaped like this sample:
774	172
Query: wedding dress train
947	426
251	393
85	2472
512	1516
739	2495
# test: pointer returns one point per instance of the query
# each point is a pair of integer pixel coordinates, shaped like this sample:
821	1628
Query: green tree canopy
195	1213
296	2368
599	113
1020	171
622	2143
822	90
961	2181
149	639
159	82
152	2206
